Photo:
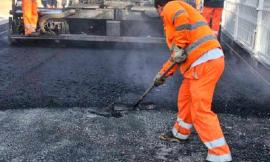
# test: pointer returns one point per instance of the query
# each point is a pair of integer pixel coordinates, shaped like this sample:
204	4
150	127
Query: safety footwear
168	136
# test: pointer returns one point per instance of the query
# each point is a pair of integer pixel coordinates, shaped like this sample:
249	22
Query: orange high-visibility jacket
186	28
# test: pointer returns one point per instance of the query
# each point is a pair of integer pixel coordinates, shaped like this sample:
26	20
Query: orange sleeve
176	23
166	65
176	17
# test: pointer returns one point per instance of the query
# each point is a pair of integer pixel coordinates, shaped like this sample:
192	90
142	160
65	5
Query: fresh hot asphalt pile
47	96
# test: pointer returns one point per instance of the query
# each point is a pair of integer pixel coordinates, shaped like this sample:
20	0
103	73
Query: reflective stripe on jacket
186	28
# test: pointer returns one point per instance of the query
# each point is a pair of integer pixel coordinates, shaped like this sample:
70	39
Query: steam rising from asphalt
96	77
244	81
240	90
143	62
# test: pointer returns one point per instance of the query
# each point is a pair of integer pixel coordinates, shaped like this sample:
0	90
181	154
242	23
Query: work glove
178	55
158	80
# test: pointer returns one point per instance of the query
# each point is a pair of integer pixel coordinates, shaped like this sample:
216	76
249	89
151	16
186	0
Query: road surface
48	92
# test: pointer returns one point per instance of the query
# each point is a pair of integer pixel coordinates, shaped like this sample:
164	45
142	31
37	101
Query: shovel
120	108
152	87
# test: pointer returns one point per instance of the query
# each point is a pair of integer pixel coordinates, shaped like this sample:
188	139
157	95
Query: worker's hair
161	2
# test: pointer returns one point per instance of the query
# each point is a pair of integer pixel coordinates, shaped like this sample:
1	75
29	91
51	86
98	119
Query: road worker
201	61
30	16
212	11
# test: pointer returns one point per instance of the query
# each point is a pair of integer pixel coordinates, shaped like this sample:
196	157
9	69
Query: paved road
47	94
67	77
38	76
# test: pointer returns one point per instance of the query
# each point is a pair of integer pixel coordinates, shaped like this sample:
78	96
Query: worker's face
159	10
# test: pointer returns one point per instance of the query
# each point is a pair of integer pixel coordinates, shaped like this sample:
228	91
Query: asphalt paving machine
126	21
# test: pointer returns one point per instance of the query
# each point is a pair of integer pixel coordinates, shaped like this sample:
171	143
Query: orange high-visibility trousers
30	16
198	5
194	109
213	17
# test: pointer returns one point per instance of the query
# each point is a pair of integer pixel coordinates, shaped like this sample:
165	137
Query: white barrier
248	23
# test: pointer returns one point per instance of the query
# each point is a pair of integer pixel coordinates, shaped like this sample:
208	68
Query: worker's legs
205	121
198	5
30	22
208	14
34	13
182	126
216	19
27	16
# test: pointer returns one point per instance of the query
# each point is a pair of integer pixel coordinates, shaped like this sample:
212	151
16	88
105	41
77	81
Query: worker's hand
178	55
158	80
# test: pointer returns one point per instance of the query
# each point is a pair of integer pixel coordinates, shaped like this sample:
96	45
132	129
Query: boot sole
164	138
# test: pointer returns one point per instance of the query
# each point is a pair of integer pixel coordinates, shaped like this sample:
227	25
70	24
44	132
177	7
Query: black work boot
168	136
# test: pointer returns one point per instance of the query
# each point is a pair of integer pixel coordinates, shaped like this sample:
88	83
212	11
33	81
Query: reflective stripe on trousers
219	158
211	145
216	143
181	125
194	105
179	135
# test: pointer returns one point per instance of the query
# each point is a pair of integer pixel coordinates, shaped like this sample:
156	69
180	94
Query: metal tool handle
153	86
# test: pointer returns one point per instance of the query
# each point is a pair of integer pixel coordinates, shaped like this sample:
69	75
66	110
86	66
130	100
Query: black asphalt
38	76
47	93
